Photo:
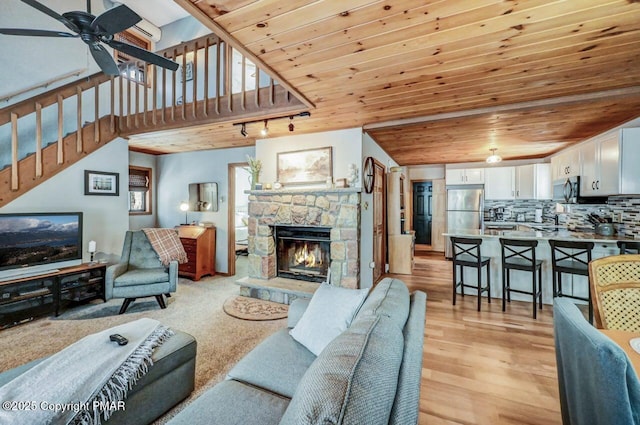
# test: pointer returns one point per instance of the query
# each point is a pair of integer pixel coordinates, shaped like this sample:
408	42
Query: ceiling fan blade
44	9
115	20
104	59
35	33
145	55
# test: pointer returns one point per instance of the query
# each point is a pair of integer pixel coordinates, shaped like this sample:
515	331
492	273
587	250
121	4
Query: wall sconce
493	158
184	206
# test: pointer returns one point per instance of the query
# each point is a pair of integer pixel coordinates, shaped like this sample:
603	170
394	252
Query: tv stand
26	297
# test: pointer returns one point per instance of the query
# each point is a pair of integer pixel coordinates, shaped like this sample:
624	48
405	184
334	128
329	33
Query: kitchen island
571	284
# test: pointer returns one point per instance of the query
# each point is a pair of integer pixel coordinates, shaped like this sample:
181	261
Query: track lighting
264	132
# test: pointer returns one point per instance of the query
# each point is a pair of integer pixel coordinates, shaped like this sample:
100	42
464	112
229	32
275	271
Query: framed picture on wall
307	166
101	183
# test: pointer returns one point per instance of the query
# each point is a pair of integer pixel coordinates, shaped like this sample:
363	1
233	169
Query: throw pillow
329	313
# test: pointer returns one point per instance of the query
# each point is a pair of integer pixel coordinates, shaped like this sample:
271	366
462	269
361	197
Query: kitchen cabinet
464	176
565	164
629	139
599	166
531	181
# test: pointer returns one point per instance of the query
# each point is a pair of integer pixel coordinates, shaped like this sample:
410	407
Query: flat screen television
37	243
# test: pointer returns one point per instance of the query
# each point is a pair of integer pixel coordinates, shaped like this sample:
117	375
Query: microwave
567	191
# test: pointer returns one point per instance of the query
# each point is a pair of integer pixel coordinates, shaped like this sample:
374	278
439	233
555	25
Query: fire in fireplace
303	252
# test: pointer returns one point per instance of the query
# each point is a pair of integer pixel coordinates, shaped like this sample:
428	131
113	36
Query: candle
92	246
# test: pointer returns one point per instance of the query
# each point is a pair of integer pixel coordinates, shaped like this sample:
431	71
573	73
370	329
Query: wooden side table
200	244
622	338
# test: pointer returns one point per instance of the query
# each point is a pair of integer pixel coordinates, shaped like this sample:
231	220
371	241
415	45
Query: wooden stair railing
165	101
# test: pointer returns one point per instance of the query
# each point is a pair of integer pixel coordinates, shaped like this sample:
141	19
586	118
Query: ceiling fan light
493	158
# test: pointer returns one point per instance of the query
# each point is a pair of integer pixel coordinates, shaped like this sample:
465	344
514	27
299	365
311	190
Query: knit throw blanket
167	245
87	381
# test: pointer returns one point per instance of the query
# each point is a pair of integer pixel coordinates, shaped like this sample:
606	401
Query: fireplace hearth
303	252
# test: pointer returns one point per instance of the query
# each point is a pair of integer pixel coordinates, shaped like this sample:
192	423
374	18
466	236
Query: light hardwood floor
485	367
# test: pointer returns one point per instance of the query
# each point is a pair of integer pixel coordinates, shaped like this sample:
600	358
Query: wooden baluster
184	82
60	156
164	94
155	94
113	105
79	122
145	93
14	151
129	103
173	90
38	140
218	77
228	62
206	78
121	110
96	114
194	85
256	92
242	90
271	91
137	108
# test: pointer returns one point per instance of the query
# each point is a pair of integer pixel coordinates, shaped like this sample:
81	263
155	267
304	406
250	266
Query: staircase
215	84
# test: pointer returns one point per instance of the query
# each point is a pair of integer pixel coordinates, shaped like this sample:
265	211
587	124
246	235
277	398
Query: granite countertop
561	234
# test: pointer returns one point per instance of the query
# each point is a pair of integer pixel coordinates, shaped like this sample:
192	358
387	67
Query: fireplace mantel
310	190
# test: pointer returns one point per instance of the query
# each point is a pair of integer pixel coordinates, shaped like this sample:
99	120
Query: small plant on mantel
255	165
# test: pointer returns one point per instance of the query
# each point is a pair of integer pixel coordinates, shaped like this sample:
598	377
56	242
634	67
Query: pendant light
493	158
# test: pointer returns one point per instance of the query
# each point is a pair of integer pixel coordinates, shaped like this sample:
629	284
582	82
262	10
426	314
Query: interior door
422	211
379	221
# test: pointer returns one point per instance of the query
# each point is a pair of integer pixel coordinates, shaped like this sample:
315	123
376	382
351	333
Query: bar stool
570	257
520	254
628	247
466	253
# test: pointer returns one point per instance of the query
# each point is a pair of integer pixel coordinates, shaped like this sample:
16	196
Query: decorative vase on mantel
255	175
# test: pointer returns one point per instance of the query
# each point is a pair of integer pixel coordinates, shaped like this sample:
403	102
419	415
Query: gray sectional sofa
369	374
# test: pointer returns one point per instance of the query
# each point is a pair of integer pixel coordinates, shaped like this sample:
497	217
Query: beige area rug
246	308
196	308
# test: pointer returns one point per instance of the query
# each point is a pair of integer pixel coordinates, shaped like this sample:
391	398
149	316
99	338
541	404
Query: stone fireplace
335	211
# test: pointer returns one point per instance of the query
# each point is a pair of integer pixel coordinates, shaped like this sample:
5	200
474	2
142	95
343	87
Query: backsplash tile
626	207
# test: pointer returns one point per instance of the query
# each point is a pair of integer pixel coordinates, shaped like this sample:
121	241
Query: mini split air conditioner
148	30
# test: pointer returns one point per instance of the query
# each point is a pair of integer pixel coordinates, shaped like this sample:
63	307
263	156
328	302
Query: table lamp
92	251
184	206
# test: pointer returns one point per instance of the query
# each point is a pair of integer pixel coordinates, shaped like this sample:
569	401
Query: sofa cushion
232	402
277	364
142	276
329	313
407	401
353	381
390	297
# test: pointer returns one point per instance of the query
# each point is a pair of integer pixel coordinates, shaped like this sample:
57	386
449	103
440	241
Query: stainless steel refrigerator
465	205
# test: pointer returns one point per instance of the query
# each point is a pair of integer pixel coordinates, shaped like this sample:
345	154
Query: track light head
265	130
291	126
243	130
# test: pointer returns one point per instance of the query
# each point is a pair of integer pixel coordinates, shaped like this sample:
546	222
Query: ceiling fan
94	31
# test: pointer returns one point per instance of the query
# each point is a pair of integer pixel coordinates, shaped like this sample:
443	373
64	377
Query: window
139	190
126	63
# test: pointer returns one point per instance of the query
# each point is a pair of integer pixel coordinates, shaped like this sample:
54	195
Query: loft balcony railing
41	136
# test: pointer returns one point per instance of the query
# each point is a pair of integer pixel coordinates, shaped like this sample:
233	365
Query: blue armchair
139	273
597	382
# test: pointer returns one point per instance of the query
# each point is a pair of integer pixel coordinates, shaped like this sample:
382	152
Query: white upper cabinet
464	176
499	183
600	166
531	181
565	164
630	161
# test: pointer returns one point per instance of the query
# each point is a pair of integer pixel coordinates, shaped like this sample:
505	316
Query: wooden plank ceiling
441	81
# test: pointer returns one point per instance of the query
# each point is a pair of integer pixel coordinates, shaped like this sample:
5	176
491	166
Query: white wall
137	222
346	149
369	148
426	172
177	171
105	218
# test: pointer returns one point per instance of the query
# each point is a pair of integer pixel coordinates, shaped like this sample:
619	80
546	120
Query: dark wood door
422	211
379	221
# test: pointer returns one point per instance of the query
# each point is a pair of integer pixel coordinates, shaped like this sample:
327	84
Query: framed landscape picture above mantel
308	166
101	183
